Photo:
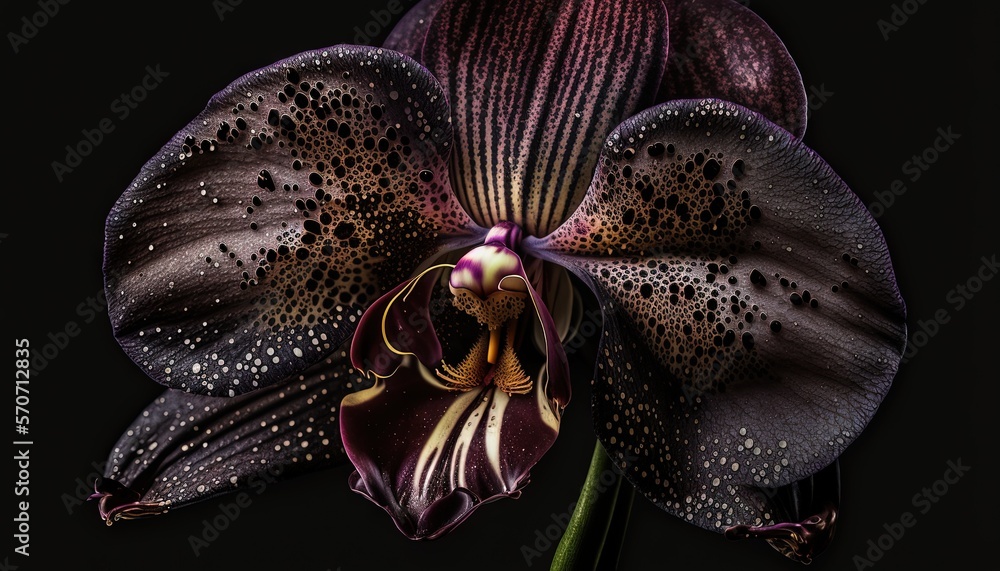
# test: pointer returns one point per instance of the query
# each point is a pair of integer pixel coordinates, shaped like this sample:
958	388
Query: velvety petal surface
430	456
535	87
752	319
185	448
408	35
722	49
247	248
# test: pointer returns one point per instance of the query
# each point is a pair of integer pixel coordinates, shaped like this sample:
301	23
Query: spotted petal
185	448
535	87
752	320
721	49
430	456
247	248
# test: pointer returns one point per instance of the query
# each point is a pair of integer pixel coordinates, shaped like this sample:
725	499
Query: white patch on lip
493	432
430	455
463	444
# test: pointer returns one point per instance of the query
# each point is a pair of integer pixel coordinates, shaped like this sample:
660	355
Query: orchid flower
376	254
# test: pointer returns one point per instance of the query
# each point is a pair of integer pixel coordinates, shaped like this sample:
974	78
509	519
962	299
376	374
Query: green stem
583	541
615	538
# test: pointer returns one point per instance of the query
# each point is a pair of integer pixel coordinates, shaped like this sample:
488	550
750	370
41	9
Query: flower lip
453	451
465	431
437	519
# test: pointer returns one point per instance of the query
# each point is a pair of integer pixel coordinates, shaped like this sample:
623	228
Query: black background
889	98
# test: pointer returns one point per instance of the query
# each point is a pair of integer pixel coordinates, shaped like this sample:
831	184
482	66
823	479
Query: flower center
489	283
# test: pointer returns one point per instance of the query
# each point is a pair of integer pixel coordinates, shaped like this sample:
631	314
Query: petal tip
433	520
117	502
801	541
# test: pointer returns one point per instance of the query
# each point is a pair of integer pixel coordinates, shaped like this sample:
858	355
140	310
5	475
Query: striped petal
247	248
407	37
752	319
430	456
721	49
186	448
535	86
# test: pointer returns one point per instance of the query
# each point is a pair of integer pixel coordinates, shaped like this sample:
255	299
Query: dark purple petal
248	247
558	385
721	49
401	318
752	319
185	448
408	35
430	456
535	86
447	428
669	442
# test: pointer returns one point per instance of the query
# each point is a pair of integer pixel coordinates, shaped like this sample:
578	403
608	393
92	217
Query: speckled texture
752	321
184	448
248	247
